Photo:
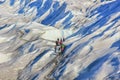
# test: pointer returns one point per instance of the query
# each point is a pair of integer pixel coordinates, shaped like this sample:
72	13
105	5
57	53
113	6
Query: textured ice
29	29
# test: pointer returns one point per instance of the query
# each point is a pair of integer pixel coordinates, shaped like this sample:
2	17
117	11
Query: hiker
57	47
62	48
61	41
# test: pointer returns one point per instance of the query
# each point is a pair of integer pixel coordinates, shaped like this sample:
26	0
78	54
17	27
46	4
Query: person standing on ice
57	47
62	46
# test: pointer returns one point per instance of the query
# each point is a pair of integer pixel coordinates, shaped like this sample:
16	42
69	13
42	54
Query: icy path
29	29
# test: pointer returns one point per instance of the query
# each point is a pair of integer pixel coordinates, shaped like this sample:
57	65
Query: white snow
43	37
4	57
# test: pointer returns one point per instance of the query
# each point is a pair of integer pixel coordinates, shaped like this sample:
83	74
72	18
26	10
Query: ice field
29	29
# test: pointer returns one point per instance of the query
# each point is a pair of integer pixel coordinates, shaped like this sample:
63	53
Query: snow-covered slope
29	29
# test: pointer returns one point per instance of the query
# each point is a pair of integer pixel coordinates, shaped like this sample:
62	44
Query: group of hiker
59	47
